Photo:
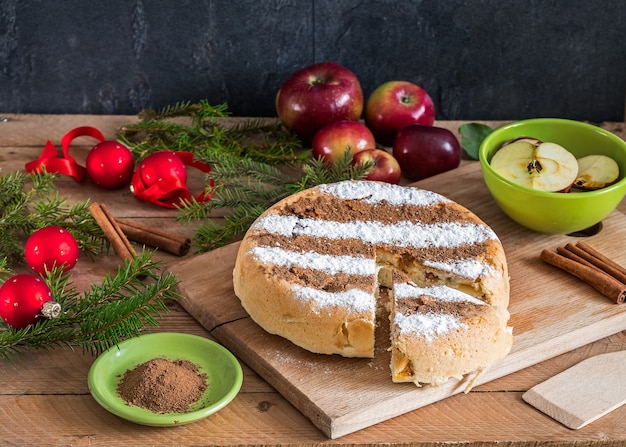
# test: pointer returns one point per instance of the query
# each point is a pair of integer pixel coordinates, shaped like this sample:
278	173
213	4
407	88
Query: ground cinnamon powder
163	386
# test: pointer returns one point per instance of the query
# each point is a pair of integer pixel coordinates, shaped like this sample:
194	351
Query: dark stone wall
479	59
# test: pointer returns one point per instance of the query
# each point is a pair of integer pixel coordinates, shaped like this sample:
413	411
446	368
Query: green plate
223	371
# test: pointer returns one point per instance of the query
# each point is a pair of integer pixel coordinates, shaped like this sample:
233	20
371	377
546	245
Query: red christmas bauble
50	247
110	164
161	166
23	299
161	178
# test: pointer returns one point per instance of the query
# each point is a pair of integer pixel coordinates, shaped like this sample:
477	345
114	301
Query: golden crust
270	290
460	352
469	337
270	302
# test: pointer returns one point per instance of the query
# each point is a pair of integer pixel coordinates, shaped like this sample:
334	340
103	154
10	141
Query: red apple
393	106
332	141
423	151
318	95
386	167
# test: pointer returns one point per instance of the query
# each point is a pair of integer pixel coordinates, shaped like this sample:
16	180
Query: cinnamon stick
154	237
582	256
112	231
573	256
596	278
602	261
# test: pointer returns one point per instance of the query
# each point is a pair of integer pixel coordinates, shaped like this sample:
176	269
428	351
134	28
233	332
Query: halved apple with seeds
534	164
596	171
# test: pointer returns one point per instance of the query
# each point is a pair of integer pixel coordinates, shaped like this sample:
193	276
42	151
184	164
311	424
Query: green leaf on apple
472	134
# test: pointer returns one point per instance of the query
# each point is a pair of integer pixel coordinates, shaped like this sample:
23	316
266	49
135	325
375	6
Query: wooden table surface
44	399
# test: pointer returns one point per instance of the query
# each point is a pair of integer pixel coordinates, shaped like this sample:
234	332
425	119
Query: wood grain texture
44	399
583	393
551	313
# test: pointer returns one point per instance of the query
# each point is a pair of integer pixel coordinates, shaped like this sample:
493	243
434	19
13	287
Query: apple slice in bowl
596	172
543	166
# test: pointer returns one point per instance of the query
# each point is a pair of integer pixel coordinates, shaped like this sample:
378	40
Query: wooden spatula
584	392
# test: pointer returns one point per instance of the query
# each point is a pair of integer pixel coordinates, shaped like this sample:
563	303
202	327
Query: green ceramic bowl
552	212
224	375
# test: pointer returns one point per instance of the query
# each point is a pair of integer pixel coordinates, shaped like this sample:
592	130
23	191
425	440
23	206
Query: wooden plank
263	419
583	393
35	130
551	313
45	402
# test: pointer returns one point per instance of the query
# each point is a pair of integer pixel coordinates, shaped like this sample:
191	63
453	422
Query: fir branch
149	136
243	186
226	168
211	235
119	308
254	126
239	195
5	270
245	159
317	172
29	202
249	188
43	182
201	109
204	133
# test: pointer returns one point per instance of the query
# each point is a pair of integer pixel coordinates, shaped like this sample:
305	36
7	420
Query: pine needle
121	307
254	164
29	202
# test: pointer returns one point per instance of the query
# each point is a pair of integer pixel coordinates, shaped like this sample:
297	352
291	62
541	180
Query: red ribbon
168	193
171	191
66	165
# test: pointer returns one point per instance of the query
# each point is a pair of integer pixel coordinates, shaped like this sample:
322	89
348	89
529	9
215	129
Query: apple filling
443	308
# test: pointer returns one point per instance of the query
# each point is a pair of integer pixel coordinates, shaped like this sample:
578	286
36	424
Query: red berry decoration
110	164
161	178
51	247
24	299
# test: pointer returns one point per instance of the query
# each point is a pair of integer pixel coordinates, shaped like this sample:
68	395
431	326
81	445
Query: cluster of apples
548	166
324	104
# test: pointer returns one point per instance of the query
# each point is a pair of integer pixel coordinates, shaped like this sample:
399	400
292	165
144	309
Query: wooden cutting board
551	313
